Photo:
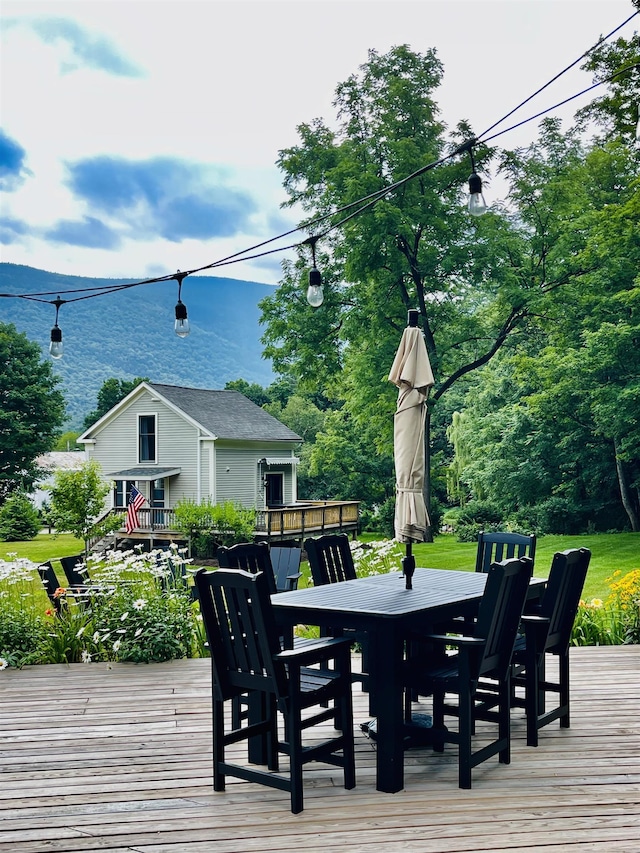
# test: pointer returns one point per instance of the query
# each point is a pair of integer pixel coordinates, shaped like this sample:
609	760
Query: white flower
138	632
3	663
124	616
116	645
81	631
139	603
96	636
86	656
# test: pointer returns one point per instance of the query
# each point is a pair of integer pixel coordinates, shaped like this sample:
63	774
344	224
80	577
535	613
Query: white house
178	443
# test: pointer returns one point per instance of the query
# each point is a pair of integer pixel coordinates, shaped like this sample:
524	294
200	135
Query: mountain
130	333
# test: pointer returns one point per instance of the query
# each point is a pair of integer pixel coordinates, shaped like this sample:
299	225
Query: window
157	493
121	493
147	438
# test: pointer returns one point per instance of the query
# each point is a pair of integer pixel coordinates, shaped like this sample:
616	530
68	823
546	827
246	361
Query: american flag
136	499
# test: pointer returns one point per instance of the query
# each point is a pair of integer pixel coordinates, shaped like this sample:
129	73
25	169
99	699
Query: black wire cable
365	202
553	79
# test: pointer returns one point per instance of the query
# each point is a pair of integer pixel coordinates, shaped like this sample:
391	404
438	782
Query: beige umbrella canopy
411	372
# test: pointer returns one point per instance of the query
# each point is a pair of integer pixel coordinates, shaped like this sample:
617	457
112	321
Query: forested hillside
130	333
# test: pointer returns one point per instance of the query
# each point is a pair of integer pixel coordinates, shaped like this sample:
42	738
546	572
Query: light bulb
181	326
477	205
315	294
56	348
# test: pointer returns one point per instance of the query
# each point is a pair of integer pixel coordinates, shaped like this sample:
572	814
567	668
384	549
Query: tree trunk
625	493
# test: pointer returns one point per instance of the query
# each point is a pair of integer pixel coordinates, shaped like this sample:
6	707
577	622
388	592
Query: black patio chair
250	557
486	655
246	656
70	567
494	547
285	559
51	583
548	631
331	561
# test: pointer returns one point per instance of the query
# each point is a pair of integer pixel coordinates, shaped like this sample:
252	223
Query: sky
140	137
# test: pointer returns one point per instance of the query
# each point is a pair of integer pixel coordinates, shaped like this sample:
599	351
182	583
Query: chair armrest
322	649
535	630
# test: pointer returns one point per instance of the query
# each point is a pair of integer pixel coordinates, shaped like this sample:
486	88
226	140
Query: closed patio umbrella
411	372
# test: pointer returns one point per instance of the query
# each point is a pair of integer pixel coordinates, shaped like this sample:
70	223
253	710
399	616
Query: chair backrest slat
70	566
500	612
562	596
498	546
251	557
50	582
330	559
241	631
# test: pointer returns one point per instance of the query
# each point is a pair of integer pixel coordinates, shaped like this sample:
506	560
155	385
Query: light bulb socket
181	310
55	346
475	184
315	279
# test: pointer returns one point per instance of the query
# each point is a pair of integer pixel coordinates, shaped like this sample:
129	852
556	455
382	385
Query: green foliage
77	502
67	442
256	393
31	413
19	519
210	525
138	608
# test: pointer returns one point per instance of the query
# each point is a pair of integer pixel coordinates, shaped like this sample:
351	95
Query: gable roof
226	414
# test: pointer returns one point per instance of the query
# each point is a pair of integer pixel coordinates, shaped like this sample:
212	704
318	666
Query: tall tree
32	410
474	282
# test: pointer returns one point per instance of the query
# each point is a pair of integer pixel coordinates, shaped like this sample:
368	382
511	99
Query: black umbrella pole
408	567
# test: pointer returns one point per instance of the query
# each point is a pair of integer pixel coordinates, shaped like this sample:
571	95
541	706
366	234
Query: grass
609	551
46	546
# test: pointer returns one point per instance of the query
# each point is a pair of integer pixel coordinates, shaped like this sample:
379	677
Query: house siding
242	482
211	468
116	447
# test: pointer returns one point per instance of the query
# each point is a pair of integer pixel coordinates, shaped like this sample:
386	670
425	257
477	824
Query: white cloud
224	85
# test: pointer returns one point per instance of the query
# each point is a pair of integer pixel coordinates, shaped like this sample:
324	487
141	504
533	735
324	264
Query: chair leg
464	738
438	720
563	664
218	745
532	701
504	720
348	748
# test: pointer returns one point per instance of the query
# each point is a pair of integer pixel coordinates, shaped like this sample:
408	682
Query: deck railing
293	520
308	517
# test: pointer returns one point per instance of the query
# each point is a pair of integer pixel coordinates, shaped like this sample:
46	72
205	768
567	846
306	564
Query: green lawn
44	547
610	552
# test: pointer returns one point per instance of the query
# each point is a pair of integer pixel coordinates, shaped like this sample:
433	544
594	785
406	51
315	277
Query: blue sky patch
12	169
165	197
87	50
88	232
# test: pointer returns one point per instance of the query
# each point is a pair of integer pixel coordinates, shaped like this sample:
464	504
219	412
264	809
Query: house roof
226	414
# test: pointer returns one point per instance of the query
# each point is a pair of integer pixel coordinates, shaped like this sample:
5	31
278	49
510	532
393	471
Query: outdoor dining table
382	606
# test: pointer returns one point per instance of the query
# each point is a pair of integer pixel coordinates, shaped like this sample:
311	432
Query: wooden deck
117	758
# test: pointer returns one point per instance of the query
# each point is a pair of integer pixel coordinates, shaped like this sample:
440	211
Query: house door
157	504
274	489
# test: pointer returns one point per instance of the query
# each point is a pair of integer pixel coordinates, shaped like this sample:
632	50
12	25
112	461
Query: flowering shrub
137	607
376	558
613	621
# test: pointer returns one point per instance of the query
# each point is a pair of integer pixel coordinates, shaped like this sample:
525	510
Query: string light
56	348
476	205
315	294
181	326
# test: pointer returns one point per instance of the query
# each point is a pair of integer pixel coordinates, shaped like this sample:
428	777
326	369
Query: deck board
116	758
